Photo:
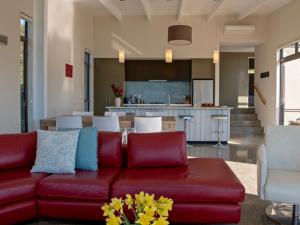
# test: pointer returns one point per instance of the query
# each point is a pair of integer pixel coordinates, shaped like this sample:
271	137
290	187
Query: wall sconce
216	56
121	56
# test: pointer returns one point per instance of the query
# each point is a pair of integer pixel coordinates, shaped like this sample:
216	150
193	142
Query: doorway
24	35
289	84
87	81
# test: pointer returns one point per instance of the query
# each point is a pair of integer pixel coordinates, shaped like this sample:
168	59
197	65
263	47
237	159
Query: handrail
262	98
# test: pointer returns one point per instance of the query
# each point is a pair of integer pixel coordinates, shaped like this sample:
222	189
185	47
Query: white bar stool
220	119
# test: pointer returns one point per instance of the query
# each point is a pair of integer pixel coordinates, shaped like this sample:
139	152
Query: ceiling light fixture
169	56
180	35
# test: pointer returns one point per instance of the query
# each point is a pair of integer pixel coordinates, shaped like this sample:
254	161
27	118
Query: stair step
243	111
246	130
244	117
245	123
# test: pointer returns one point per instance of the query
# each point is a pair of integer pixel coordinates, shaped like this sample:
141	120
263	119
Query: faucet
169	99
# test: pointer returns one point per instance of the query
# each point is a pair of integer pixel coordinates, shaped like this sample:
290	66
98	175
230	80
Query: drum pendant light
180	35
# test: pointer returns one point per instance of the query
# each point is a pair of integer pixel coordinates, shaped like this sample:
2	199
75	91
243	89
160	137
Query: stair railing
261	96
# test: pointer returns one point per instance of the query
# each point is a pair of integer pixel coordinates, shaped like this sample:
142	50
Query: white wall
10	13
143	39
282	28
69	33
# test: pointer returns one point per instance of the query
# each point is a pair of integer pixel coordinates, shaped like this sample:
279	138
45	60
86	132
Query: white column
38	77
217	84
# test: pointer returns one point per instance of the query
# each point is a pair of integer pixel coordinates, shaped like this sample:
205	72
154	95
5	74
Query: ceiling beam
215	12
116	12
147	9
252	9
180	10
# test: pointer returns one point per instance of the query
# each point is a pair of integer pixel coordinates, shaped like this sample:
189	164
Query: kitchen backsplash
158	91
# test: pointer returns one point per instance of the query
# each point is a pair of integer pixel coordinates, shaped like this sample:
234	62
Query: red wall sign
69	70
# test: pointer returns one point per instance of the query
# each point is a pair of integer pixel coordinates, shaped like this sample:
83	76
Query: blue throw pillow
87	149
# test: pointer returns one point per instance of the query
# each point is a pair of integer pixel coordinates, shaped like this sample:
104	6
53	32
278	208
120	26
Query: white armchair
278	169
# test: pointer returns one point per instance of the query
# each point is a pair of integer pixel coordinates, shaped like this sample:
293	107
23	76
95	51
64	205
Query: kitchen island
202	128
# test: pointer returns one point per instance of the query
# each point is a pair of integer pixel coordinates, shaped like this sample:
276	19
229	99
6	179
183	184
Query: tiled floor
240	148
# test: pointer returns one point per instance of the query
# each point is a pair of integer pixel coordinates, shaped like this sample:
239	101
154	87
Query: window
290	50
24	74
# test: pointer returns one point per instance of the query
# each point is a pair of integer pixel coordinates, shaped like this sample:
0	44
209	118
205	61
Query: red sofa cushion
18	185
157	149
204	180
17	150
83	185
110	149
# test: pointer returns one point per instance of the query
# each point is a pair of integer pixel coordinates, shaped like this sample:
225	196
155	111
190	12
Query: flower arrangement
118	91
146	210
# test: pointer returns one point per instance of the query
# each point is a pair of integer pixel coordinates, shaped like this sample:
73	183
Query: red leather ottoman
205	191
76	196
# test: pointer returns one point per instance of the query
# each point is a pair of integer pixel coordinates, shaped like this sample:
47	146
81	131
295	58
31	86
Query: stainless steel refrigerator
203	91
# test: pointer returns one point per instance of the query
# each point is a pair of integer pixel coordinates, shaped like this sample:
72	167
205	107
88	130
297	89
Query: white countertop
165	106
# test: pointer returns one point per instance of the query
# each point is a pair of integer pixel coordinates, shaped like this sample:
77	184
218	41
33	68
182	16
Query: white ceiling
208	8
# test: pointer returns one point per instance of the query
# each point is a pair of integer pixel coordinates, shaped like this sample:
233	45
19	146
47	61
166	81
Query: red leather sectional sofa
203	190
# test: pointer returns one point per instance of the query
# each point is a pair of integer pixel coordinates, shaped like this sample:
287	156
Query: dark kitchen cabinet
145	70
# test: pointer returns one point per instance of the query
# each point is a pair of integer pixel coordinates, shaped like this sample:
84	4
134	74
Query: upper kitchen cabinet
145	70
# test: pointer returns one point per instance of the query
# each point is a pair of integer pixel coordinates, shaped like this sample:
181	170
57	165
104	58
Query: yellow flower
150	211
144	219
161	221
129	201
149	200
164	205
107	210
117	204
139	197
113	220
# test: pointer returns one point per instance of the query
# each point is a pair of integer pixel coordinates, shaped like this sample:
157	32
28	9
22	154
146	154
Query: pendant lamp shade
169	56
180	35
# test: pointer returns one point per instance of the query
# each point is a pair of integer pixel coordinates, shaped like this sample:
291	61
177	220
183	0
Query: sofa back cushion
17	150
109	149
164	149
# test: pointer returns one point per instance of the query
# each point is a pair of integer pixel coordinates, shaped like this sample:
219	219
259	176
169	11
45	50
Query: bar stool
185	118
219	118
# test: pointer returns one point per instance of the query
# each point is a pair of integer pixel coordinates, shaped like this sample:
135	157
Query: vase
118	101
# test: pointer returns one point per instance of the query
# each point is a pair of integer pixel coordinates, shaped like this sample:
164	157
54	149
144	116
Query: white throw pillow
56	151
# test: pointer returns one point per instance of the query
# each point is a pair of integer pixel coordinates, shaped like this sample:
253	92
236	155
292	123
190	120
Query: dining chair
107	123
78	113
147	124
68	122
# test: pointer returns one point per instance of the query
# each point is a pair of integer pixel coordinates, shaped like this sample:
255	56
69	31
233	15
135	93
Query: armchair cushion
283	147
283	186
157	149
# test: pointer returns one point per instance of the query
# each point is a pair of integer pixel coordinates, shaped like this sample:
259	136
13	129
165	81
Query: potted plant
146	210
118	91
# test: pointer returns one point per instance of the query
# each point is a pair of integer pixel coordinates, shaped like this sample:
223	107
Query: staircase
245	121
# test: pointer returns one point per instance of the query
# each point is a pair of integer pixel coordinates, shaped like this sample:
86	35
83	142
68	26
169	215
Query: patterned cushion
56	151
